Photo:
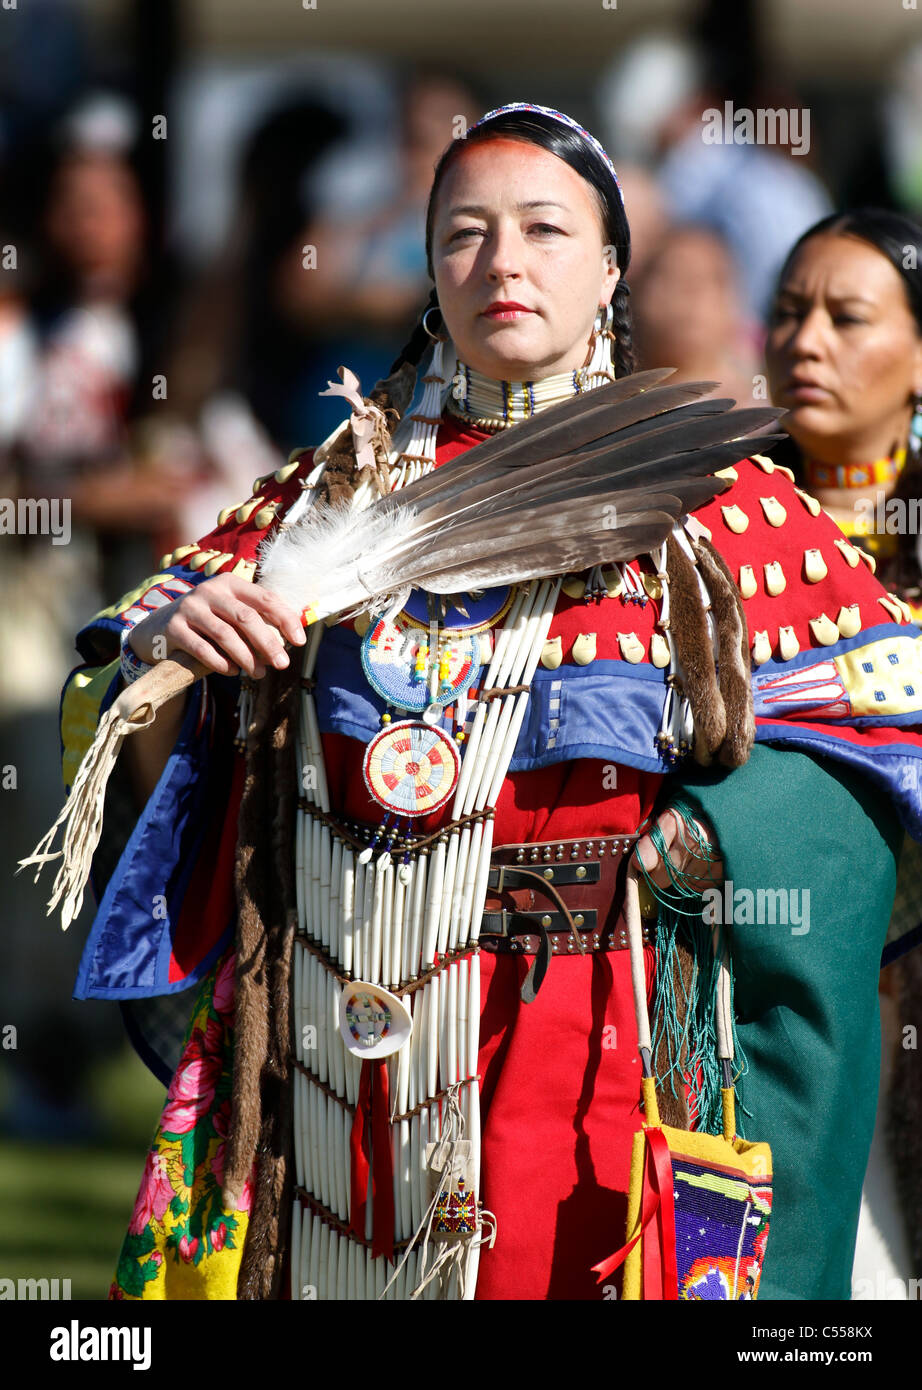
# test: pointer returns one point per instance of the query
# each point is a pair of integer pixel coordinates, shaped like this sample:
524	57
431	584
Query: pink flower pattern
179	1216
155	1195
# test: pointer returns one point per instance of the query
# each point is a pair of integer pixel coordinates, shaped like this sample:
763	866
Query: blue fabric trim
610	710
897	770
110	629
128	949
771	670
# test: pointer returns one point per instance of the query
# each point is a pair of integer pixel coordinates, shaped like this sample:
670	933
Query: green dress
805	993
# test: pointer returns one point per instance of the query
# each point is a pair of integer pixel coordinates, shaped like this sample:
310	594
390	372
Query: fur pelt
260	1127
733	661
688	626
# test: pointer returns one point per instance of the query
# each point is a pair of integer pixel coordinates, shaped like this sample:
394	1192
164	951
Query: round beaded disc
411	768
389	660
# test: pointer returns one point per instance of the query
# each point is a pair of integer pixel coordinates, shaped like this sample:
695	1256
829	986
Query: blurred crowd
163	345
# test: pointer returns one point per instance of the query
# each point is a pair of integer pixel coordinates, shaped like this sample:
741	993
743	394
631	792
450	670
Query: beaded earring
914	443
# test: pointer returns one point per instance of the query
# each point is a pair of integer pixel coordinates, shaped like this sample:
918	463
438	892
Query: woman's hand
229	624
703	873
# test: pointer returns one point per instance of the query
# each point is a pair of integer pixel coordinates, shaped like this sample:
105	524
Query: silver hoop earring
436	337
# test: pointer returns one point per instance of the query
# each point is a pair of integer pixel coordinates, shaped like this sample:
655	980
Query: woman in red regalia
528	244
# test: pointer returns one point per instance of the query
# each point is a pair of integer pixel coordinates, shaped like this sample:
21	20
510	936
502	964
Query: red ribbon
660	1277
370	1152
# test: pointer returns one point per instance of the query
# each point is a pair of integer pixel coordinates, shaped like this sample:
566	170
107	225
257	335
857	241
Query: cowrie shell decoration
849	620
659	650
775	514
788	644
814	566
849	552
824	630
811	504
584	648
631	646
735	518
775	582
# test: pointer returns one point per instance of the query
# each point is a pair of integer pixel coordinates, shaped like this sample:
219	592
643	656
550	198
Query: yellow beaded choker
848	475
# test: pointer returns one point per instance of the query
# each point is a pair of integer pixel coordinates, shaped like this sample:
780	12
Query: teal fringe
700	1070
681	920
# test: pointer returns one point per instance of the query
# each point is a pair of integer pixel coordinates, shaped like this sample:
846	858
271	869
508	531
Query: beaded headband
565	120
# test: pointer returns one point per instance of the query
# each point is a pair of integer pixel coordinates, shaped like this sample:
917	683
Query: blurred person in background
691	314
360	299
644	197
81	321
653	101
99	311
234	357
844	356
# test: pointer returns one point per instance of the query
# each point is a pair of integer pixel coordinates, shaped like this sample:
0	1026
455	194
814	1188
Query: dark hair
890	233
558	139
893	234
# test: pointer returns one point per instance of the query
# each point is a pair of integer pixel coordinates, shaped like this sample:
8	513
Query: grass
64	1209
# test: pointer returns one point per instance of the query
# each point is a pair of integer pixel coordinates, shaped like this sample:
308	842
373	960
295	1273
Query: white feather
320	560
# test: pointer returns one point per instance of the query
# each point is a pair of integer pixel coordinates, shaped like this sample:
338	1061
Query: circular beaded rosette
396	662
411	768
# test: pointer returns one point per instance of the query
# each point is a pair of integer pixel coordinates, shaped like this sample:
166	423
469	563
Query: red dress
560	1076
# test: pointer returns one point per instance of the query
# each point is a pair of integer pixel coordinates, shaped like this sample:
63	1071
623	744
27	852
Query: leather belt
559	897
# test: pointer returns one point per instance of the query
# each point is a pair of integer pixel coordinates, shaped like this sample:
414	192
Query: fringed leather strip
688	626
734	670
260	1126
